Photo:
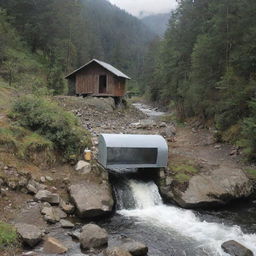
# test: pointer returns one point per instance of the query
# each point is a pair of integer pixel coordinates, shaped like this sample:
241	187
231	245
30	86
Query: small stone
162	125
67	207
30	253
22	182
83	167
24	191
48	178
46	204
43	179
168	181
54	246
161	174
75	234
53	214
47	196
66	224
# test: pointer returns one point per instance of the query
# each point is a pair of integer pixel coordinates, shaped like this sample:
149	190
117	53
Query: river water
169	230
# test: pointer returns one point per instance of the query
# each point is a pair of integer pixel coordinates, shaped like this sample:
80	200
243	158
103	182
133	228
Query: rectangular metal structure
132	151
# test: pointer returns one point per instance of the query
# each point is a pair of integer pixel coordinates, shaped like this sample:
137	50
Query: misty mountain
157	22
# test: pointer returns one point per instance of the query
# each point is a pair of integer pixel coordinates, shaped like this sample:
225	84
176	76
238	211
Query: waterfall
141	200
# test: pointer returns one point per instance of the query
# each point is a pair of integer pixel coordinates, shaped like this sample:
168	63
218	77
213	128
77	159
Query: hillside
157	23
94	29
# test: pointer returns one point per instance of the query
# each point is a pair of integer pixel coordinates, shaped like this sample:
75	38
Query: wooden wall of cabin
87	82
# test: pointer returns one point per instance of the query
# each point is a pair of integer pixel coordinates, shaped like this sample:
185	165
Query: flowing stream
169	230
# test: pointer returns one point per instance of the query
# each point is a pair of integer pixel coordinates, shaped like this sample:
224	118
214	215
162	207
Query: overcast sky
148	6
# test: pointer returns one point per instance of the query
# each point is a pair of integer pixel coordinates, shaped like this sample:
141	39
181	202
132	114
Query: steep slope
80	30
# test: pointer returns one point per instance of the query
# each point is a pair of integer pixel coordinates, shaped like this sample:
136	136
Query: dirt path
200	146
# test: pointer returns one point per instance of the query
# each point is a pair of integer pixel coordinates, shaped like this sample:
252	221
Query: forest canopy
206	67
66	34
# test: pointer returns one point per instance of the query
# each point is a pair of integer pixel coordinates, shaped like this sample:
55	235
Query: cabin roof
105	65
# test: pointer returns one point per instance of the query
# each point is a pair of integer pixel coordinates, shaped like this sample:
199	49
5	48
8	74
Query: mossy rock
182	172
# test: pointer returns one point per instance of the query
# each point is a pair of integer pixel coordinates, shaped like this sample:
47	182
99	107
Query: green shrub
8	141
26	145
8	236
249	133
53	123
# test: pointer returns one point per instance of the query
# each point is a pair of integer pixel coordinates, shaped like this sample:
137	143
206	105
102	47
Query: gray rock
210	189
93	237
22	182
54	246
47	196
31	189
66	224
30	234
53	214
169	131
235	249
83	167
116	252
48	178
75	234
135	248
92	199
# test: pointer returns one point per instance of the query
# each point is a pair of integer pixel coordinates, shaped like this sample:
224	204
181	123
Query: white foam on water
150	209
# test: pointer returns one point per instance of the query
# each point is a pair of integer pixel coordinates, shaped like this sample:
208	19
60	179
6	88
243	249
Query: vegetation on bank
205	66
8	236
183	170
52	127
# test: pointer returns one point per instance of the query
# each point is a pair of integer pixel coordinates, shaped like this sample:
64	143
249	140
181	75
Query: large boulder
30	234
54	246
93	237
235	249
47	196
209	188
92	199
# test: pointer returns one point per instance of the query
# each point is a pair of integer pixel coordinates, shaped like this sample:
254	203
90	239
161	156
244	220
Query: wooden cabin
97	78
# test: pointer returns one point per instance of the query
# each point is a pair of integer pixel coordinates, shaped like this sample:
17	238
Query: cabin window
117	155
103	84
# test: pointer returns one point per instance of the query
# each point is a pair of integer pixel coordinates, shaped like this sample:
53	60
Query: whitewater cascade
142	201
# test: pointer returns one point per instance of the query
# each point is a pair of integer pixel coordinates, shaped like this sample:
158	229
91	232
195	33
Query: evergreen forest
204	66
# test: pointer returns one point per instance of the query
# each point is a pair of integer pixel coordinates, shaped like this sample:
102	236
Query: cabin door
103	84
